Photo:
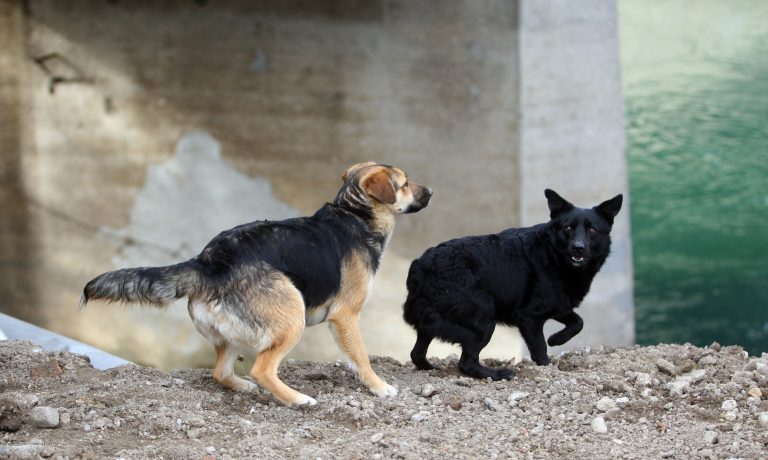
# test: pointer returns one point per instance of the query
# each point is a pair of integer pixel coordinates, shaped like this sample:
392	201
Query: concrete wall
172	122
283	96
572	140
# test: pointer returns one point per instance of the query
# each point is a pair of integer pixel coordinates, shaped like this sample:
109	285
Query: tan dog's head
377	188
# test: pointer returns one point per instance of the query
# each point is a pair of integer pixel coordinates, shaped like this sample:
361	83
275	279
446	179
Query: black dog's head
582	235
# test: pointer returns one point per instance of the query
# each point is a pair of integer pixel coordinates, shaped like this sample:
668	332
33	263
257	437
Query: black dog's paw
541	361
424	365
557	339
503	373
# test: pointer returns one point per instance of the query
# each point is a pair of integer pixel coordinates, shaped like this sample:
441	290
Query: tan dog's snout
421	196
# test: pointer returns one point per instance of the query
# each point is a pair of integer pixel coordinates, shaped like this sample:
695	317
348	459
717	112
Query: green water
696	95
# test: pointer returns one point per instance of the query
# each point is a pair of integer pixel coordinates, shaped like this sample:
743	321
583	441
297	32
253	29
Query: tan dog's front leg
346	331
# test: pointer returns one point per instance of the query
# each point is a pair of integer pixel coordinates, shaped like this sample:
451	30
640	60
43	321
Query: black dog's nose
578	247
428	191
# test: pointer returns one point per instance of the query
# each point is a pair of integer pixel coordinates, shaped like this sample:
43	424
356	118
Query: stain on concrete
190	199
184	203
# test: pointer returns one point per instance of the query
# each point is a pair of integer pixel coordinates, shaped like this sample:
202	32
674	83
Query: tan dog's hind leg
224	372
286	324
346	331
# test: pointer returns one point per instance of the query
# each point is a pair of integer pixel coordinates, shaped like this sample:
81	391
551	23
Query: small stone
24	451
44	417
666	367
419	416
708	360
517	395
377	437
622	400
210	449
455	404
598	425
605	404
729	405
194	433
642	379
714	346
65	418
367	404
354	403
762	420
427	390
710	437
178	382
755	392
490	404
47	370
730	415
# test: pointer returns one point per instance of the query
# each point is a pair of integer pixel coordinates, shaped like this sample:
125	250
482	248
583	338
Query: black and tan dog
258	285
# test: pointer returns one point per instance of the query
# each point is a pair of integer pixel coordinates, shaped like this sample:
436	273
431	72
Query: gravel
606	402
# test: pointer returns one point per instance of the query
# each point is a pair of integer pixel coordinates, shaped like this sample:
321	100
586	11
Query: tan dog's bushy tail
156	286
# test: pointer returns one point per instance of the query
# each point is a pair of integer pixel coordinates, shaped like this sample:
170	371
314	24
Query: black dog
459	290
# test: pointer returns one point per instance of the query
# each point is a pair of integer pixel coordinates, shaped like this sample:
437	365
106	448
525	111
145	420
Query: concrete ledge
12	328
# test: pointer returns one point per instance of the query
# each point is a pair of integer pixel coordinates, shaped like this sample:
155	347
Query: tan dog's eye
404	185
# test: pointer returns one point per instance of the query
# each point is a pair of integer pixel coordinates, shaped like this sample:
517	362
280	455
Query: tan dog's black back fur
258	285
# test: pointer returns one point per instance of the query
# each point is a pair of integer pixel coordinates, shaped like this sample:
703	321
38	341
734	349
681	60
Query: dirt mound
652	402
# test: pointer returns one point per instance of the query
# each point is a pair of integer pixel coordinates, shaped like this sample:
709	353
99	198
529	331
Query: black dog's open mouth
578	261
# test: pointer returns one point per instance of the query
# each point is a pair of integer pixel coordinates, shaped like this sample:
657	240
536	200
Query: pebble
598	425
44	417
666	367
755	392
491	404
729	405
762	420
367	404
605	404
22	451
708	360
730	416
710	437
428	390
642	379
515	397
419	416
622	400
377	437
210	449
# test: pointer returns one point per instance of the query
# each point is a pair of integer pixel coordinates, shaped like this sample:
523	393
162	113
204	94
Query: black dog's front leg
573	325
533	334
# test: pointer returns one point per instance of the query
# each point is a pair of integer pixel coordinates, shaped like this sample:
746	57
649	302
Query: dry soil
666	401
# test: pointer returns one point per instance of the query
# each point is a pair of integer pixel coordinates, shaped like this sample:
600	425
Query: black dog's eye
568	230
591	231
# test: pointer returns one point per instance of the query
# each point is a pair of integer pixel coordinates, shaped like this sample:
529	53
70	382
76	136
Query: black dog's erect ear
610	208
557	204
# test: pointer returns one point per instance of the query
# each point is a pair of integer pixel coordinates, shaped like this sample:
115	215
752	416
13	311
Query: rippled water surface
696	95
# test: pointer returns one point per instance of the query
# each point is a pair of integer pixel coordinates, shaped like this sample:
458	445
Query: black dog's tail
157	286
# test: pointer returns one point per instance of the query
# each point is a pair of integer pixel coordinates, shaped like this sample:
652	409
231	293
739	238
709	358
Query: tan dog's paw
304	400
386	391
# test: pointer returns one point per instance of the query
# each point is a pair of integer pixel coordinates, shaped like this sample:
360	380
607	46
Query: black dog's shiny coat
459	290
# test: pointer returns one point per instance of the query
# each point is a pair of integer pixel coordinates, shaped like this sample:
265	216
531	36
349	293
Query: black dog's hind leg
469	363
533	334
419	352
573	325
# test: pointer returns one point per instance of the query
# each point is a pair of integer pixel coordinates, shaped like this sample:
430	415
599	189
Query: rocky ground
667	401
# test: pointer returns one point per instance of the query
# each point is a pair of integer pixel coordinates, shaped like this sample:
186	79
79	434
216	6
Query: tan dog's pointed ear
379	186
